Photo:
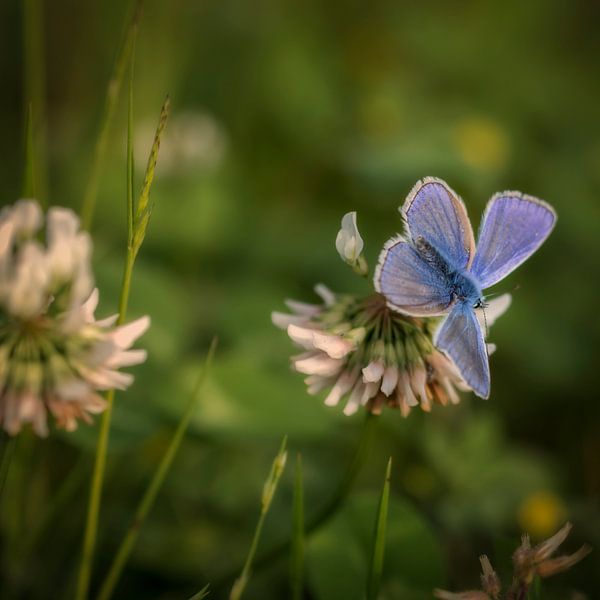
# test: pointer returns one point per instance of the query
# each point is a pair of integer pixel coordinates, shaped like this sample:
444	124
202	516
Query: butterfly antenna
485	321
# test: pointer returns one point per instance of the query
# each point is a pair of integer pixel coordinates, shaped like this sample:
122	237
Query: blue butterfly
434	268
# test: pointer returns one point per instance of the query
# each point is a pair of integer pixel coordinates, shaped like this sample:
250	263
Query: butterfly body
436	269
461	285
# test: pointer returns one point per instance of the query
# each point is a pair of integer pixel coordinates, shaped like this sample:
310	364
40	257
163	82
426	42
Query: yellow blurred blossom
481	143
541	513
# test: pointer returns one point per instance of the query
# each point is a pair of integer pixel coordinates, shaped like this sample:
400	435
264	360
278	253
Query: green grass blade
7	448
94	502
144	208
297	550
130	158
268	493
29	187
153	488
203	593
535	590
378	551
110	105
329	509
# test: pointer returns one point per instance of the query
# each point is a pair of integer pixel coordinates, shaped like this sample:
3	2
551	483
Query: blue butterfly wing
461	338
436	213
513	227
409	283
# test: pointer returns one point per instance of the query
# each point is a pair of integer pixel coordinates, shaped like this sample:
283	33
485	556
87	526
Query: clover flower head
54	355
365	354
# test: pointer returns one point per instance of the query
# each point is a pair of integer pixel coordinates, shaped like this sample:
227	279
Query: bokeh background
286	115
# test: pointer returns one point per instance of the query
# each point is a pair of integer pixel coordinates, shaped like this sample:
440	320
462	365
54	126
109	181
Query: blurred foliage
286	115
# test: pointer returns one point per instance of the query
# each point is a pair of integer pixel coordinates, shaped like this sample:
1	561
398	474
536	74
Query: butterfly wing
409	283
513	227
436	213
461	338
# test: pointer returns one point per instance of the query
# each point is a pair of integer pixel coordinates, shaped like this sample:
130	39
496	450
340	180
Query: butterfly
436	269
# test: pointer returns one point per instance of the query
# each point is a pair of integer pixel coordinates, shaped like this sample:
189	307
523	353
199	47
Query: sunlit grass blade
130	161
269	490
144	208
110	104
297	550
378	550
34	97
91	528
29	188
203	593
153	488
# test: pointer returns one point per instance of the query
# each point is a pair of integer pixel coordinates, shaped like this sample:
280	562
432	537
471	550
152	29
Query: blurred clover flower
528	562
362	351
54	356
195	140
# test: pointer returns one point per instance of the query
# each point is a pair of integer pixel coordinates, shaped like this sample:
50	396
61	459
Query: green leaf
297	550
378	553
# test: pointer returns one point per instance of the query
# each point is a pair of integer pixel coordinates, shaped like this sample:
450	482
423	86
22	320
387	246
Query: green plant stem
347	482
378	550
240	583
297	548
7	447
91	525
147	501
34	92
269	490
110	104
330	509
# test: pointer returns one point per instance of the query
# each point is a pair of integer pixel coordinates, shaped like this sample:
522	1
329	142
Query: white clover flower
362	351
54	355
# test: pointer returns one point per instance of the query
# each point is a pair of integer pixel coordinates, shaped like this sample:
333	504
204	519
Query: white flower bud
348	243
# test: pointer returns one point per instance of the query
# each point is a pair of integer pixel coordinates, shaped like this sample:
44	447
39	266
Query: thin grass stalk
110	104
203	593
139	230
130	159
7	448
338	498
34	94
297	550
29	186
269	490
147	501
378	550
328	510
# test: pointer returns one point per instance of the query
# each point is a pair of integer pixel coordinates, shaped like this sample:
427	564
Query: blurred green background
286	115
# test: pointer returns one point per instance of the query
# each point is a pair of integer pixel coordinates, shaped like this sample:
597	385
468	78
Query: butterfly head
465	288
